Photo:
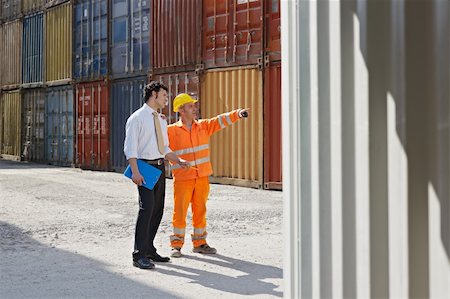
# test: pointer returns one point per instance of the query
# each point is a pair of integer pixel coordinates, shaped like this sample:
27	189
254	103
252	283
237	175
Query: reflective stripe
190	150
227	116
178	231
221	121
193	163
176	238
199	237
199	231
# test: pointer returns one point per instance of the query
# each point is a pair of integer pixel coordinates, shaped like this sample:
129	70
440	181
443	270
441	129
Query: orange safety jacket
193	145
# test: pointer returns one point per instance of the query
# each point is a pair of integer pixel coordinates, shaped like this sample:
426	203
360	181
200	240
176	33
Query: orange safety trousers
194	192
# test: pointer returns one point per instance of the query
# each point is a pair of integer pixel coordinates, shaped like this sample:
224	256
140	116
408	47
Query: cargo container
126	97
184	82
33	50
31	6
272	127
58	44
11	51
33	121
237	151
51	3
272	30
59	125
91	40
176	35
11	125
130	33
93	149
232	33
11	9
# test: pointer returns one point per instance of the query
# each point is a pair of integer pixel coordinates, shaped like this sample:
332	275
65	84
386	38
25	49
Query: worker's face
161	98
190	110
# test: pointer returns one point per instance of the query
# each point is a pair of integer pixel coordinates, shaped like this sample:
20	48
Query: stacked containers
130	33
92	105
10	124
11	48
126	97
33	120
59	125
91	40
32	51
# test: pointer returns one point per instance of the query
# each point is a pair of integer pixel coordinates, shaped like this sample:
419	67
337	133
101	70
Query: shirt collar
179	123
148	108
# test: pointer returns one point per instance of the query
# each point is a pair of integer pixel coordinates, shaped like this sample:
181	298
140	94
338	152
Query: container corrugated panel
237	151
10	113
126	97
30	6
33	121
183	82
176	35
51	3
130	34
33	50
232	33
91	40
58	44
273	30
11	54
93	147
59	125
11	9
272	127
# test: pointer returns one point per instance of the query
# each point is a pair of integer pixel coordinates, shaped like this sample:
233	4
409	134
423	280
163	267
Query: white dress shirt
140	135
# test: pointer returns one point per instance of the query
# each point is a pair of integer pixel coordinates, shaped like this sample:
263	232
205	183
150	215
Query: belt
154	162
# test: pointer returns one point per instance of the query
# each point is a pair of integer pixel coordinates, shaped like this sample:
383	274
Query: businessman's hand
138	179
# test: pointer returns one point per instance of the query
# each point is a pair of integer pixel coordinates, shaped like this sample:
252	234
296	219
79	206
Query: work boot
176	252
204	249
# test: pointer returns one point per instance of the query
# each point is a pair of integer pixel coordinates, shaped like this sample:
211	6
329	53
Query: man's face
189	110
161	98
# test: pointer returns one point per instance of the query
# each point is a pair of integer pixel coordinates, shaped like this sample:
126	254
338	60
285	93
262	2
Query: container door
52	111
273	30
120	37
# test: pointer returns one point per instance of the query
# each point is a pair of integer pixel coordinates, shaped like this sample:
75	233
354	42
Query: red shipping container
184	82
273	30
272	127
232	33
93	148
176	35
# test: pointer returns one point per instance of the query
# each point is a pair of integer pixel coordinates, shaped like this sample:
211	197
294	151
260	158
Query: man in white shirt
146	139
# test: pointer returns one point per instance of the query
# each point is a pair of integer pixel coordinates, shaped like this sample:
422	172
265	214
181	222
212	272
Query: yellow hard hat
181	99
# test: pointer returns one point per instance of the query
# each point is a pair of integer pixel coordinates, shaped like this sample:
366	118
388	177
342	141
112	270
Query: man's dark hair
153	86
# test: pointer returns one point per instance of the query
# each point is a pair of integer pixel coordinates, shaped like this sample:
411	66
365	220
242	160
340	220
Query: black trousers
151	207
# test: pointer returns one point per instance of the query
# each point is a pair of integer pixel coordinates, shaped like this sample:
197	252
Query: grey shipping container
33	50
59	125
91	40
130	46
33	120
11	9
126	97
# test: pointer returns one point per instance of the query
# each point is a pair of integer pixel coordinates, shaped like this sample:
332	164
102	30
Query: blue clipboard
151	174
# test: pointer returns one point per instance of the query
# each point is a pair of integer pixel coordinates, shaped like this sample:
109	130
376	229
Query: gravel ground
68	233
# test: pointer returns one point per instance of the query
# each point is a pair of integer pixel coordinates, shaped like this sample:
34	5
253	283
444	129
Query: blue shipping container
59	125
33	49
130	46
126	97
91	40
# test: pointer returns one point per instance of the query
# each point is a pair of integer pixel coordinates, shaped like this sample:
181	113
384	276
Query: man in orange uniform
189	139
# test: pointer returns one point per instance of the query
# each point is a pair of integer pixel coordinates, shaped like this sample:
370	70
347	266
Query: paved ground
68	233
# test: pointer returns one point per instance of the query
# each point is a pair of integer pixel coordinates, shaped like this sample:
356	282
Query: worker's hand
163	116
244	112
138	179
184	164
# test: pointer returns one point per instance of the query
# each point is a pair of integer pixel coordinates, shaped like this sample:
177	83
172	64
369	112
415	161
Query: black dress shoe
143	263
157	258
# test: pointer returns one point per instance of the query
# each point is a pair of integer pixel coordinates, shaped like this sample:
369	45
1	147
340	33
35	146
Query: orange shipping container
237	151
11	54
58	44
187	82
272	127
10	124
232	32
176	40
93	147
